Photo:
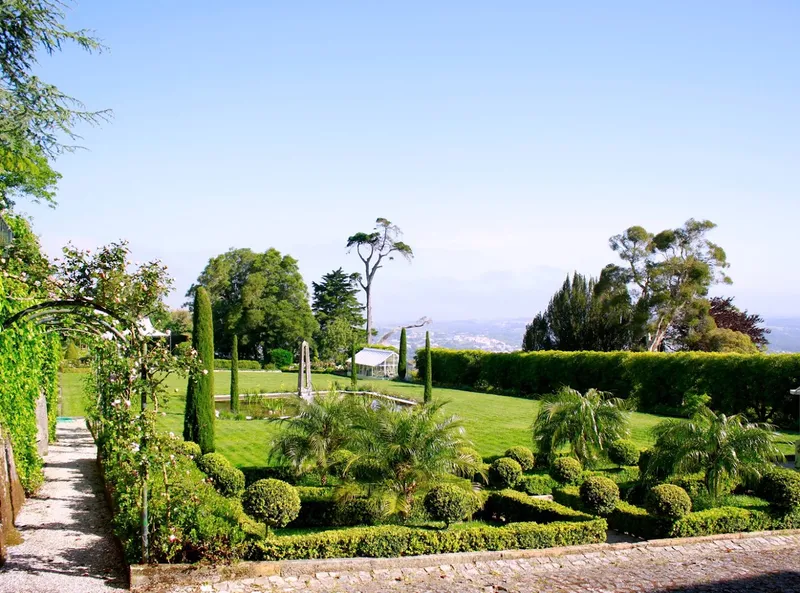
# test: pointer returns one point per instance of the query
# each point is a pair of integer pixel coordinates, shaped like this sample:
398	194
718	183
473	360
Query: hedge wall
754	384
387	541
244	365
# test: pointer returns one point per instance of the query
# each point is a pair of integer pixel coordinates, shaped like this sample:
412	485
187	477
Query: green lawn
493	422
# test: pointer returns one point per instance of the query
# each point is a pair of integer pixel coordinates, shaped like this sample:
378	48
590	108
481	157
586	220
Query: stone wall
12	496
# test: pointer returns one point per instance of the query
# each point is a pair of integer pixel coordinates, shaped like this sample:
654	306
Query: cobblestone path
67	545
759	565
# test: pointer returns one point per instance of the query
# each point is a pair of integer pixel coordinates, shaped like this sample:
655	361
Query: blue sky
509	140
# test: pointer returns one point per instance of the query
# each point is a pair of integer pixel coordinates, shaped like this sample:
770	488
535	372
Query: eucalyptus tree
374	249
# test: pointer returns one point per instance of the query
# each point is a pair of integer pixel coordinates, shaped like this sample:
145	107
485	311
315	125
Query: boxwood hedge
756	385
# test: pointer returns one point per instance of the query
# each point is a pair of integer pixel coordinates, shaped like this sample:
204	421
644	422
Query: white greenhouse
374	362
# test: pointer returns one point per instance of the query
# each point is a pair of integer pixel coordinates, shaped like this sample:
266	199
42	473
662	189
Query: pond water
258	408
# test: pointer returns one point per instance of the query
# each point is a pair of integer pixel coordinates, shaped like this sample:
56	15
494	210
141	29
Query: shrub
523	456
360	511
536	485
280	357
388	541
713	521
623	453
599	495
566	470
228	480
244	365
199	417
781	487
669	501
189	449
272	502
504	473
340	460
448	503
511	506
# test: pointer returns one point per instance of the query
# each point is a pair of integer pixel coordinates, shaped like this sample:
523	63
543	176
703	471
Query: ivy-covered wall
29	357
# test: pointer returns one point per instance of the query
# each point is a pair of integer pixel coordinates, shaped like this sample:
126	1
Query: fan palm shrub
410	449
585	423
722	447
310	440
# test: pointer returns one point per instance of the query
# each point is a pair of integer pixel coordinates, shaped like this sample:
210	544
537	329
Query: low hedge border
386	541
224	364
512	506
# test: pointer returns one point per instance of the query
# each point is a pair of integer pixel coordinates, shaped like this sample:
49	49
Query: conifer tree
428	370
235	375
402	365
199	416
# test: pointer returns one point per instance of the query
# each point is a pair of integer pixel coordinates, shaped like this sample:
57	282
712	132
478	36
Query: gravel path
67	546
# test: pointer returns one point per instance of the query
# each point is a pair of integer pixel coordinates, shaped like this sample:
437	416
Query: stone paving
769	564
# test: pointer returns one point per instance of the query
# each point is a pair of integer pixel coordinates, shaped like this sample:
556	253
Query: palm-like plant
407	449
309	440
586	423
720	446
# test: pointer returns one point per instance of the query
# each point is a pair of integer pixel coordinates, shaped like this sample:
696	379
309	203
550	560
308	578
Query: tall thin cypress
428	370
199	416
235	376
353	370
402	365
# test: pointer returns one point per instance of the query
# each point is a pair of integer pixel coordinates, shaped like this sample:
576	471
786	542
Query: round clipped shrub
599	495
566	470
669	501
471	454
341	462
188	448
504	473
228	480
781	487
523	456
623	453
272	502
360	511
448	503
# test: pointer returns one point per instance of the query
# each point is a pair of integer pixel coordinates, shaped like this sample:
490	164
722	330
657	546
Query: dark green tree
199	416
336	297
235	375
402	365
428	394
259	297
373	250
579	318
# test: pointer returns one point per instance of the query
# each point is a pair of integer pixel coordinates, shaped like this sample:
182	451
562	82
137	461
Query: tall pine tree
235	375
402	365
428	369
198	421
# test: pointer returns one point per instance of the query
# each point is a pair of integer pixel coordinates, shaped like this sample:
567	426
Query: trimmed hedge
448	503
566	470
512	506
319	508
599	495
669	501
228	480
388	541
781	487
272	502
536	485
756	385
623	453
523	456
244	365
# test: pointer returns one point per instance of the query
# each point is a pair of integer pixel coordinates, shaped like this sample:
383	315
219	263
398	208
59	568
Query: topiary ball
668	501
189	449
566	470
623	453
448	503
781	487
228	480
523	456
272	502
504	473
599	495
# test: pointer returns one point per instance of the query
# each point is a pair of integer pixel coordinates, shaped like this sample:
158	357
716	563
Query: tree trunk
368	290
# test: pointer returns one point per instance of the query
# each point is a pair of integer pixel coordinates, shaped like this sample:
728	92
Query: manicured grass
492	422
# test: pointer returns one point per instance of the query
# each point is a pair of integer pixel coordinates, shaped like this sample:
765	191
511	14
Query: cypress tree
353	370
402	366
198	420
428	370
235	375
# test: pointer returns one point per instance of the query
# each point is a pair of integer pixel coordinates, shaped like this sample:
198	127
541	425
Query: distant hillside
506	335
